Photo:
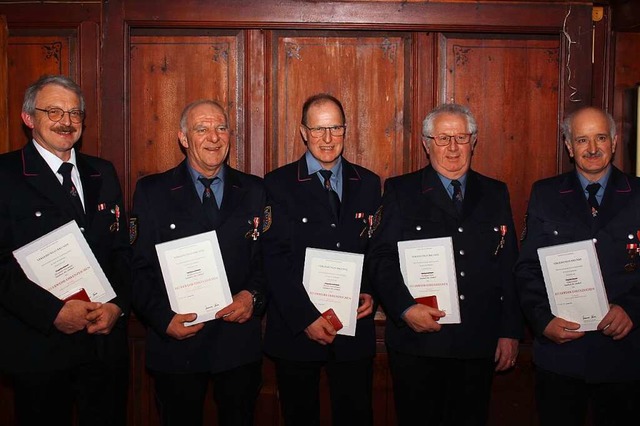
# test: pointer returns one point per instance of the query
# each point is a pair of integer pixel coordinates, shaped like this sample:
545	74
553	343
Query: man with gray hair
202	194
575	369
62	354
442	373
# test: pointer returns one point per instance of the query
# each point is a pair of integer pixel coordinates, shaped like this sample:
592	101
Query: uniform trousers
180	396
565	401
440	391
350	388
96	390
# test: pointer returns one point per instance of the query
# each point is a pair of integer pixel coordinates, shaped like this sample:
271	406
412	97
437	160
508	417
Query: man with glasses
579	371
320	201
62	354
442	373
202	194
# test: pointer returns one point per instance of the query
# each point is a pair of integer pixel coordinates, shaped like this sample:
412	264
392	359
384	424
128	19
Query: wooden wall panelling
255	109
31	56
511	85
625	97
425	88
367	72
4	86
168	71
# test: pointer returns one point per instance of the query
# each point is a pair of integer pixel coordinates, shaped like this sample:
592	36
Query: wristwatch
258	301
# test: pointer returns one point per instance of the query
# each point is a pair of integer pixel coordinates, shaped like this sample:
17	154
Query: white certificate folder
62	263
332	280
428	268
574	283
194	275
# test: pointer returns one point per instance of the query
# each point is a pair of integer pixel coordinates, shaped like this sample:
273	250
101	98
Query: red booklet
81	294
430	301
333	319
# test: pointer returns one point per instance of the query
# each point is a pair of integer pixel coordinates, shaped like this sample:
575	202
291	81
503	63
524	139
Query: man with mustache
578	370
62	354
298	338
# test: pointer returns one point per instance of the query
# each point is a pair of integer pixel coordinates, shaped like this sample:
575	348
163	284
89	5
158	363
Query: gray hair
567	123
29	103
192	105
427	124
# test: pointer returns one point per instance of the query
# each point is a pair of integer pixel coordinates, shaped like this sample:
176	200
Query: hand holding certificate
574	283
332	280
62	263
194	275
429	272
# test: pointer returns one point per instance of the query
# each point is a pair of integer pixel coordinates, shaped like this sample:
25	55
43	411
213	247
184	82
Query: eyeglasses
444	140
57	114
318	132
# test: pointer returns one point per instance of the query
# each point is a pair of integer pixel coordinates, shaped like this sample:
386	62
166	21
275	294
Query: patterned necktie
209	203
334	199
457	195
71	190
593	188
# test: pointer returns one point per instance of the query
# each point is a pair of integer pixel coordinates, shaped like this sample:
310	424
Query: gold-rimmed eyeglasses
444	140
56	114
318	132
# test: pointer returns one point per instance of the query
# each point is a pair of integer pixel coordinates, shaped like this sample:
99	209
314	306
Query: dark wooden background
520	66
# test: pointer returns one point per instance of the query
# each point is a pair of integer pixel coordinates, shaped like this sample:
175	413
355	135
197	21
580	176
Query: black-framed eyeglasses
318	132
56	114
444	140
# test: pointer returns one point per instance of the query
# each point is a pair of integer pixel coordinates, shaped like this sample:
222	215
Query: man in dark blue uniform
576	368
60	355
175	204
442	374
298	338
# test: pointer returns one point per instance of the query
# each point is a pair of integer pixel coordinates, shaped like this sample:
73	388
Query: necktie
334	199
209	200
593	188
457	195
70	189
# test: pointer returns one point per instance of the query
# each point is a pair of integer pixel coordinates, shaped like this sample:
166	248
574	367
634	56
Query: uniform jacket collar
351	181
431	187
38	174
616	196
184	194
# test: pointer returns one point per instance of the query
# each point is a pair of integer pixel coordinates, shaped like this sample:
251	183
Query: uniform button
333	225
555	232
338	245
462	297
630	236
595	240
461	252
305	220
38	214
418	228
172	226
113	211
81	229
462	274
501	298
461	229
495	229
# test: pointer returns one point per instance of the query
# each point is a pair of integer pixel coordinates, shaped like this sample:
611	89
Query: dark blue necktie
209	203
334	199
71	190
593	189
457	195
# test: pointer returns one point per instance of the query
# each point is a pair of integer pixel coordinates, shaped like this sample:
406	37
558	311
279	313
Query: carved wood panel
4	86
29	57
168	72
511	86
367	72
